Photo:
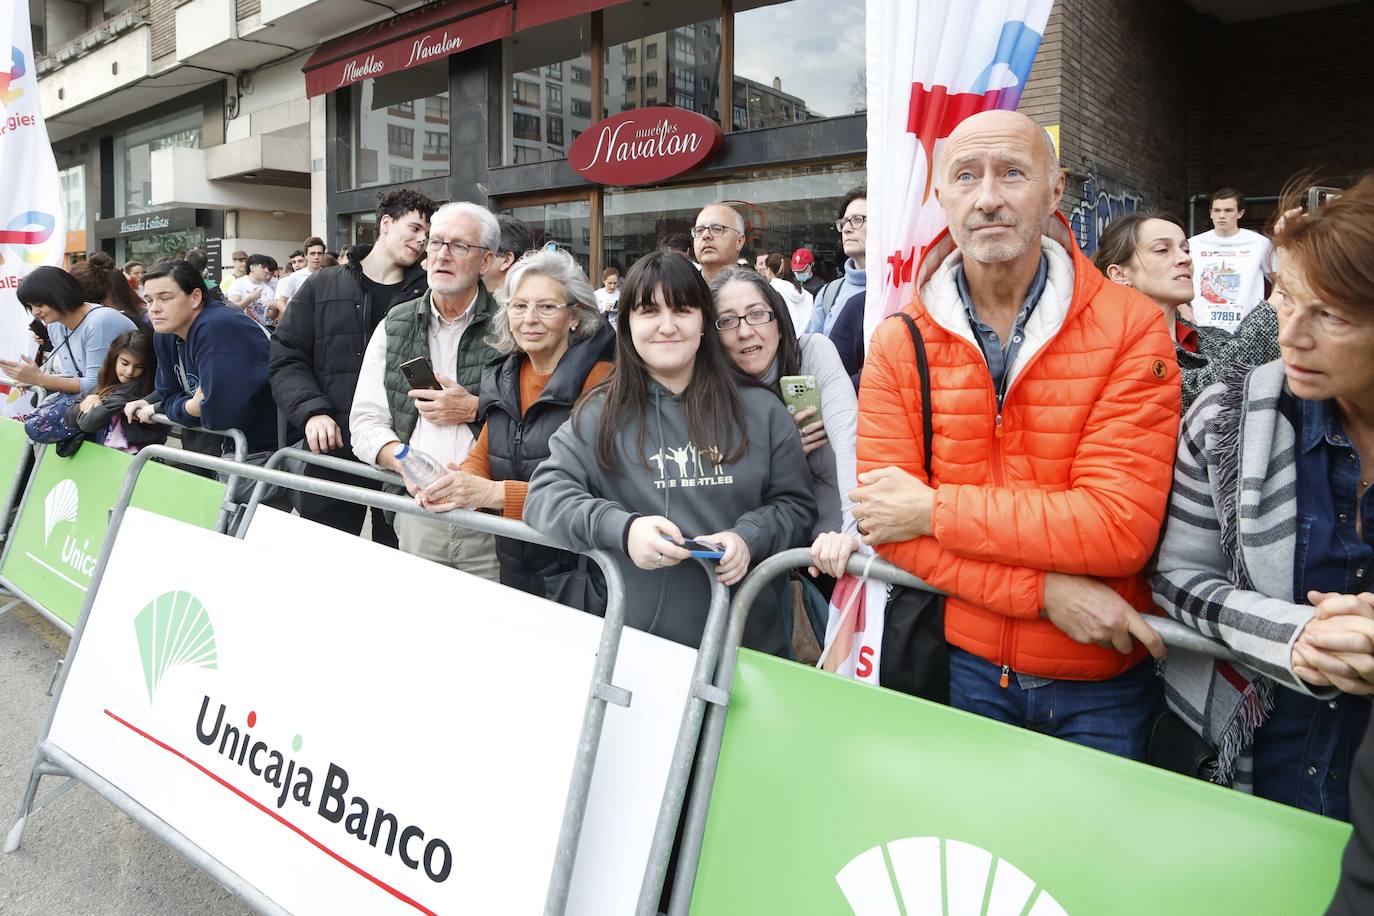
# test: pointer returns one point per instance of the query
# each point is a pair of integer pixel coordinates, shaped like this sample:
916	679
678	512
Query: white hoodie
799	303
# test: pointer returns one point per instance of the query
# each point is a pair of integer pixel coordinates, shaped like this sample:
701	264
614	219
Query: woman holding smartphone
760	339
677	445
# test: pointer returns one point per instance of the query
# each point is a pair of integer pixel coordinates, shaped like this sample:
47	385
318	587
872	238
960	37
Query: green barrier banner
62	524
833	797
13	443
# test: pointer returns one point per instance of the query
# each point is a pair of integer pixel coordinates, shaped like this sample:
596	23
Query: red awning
530	13
409	40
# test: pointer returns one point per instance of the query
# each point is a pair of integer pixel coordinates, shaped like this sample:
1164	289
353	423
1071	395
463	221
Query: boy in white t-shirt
255	291
608	296
1229	265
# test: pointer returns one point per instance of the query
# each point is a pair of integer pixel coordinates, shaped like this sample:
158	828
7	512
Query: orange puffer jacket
1072	476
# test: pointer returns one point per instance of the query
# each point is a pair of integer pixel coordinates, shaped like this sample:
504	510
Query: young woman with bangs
677	444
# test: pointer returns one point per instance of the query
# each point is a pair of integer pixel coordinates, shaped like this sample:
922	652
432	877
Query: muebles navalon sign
645	146
833	797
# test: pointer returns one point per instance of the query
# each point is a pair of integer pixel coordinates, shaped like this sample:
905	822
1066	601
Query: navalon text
366	822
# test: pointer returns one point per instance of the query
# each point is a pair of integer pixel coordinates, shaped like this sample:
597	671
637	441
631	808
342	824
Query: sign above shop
150	223
410	40
645	146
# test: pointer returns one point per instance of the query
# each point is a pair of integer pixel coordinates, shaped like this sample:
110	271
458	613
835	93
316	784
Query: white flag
33	225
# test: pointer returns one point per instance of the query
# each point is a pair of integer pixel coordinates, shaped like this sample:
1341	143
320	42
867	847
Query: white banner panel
33	222
352	729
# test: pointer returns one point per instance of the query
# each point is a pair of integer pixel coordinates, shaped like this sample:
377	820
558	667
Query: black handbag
1175	746
583	587
915	655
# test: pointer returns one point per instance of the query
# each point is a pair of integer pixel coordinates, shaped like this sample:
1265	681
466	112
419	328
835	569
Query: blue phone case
699	549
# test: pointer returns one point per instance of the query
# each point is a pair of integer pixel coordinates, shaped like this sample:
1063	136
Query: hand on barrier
648	549
1338	652
459	489
449	406
734	562
813	435
892	506
1087	611
193	406
322	434
139	411
830	553
23	370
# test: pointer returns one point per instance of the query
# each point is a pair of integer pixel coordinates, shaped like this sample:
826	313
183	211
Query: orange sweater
531	386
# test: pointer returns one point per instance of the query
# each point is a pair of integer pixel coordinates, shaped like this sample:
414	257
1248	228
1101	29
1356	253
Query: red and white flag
931	64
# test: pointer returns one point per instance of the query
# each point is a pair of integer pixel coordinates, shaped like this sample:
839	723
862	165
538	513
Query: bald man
717	238
1055	403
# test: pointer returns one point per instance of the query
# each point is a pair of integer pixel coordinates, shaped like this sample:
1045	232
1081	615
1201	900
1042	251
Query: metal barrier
1174	634
50	760
22	487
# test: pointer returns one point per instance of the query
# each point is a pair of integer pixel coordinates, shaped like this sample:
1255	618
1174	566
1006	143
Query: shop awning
409	40
530	13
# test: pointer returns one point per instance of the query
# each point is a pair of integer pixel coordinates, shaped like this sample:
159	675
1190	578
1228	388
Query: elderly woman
1269	544
556	348
1149	251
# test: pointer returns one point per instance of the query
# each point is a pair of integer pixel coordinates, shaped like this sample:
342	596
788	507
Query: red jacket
1072	476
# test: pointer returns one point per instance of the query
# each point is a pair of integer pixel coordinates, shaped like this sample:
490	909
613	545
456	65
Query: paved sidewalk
80	855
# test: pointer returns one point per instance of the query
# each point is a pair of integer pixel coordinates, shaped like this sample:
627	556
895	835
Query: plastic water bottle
418	467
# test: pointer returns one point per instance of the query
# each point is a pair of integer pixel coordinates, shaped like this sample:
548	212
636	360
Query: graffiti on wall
1103	201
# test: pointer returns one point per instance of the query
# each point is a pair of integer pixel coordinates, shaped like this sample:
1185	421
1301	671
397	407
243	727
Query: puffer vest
407	336
518	443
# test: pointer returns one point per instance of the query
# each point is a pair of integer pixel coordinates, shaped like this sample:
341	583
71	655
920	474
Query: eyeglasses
756	317
855	222
519	308
713	229
457	249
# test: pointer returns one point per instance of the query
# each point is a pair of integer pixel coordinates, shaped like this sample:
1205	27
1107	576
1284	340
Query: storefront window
400	126
153	248
547	72
133	152
797	61
686	74
72	191
566	223
784	209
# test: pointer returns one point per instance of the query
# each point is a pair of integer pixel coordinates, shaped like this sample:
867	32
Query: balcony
307	23
180	179
208	35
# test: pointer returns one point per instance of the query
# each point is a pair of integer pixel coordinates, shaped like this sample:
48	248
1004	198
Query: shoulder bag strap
923	370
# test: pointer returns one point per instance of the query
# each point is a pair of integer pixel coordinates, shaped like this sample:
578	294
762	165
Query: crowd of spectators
1099	455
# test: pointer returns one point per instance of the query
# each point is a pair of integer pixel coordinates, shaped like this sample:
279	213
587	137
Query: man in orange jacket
1055	400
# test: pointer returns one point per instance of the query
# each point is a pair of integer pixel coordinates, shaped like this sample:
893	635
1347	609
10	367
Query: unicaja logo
60	505
933	875
174	629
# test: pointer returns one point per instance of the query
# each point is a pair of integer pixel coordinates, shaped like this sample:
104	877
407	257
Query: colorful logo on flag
174	629
8	90
929	874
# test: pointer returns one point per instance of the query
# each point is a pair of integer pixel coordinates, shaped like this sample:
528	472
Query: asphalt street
80	855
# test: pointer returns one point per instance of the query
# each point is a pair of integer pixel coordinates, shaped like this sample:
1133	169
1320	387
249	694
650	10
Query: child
126	375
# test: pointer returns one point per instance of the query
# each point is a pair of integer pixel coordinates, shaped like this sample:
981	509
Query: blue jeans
1112	715
1305	749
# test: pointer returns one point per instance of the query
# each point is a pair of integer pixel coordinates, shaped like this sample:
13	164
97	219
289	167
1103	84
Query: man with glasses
317	351
448	326
833	298
717	238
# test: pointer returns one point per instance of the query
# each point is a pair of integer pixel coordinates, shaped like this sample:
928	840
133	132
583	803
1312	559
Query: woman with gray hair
555	348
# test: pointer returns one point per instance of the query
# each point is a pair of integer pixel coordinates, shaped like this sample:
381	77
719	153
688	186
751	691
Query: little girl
126	375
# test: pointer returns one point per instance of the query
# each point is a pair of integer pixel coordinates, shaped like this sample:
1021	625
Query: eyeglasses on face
856	221
457	249
755	317
519	308
711	229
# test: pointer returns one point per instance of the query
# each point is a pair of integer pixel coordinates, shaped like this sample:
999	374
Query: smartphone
800	392
1317	196
703	549
420	373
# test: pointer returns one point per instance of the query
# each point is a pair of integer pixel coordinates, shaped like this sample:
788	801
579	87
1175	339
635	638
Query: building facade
258	122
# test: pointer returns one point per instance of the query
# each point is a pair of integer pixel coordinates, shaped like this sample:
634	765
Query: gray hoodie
765	498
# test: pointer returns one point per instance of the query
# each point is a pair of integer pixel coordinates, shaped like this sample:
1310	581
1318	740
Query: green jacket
407	336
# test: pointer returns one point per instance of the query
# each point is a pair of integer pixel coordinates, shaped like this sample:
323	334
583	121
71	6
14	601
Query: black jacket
517	444
848	336
317	350
96	421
